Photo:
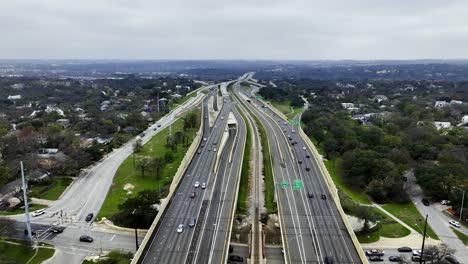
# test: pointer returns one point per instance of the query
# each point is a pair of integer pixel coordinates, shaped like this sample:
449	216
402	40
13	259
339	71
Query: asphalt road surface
312	227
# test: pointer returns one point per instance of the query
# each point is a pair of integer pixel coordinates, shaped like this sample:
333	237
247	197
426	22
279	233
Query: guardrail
175	182
334	193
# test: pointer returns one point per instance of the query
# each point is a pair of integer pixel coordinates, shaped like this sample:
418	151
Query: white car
304	148
454	223
180	228
445	202
197	184
203	185
204	139
38	212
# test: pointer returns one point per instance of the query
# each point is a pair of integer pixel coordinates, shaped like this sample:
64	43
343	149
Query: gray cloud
234	29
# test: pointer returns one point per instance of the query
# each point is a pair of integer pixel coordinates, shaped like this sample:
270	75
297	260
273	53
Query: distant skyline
234	29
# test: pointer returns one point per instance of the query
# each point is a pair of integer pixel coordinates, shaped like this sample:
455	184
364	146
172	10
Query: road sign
284	184
297	185
294	122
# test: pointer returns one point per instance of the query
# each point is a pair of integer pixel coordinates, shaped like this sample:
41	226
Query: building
439	104
15	97
465	119
51	109
440	125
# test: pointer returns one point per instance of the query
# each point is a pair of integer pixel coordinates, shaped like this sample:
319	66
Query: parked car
405	249
376	258
445	202
425	201
89	217
180	228
85	238
197	184
417	252
236	258
38	212
454	223
374	252
394	258
418	258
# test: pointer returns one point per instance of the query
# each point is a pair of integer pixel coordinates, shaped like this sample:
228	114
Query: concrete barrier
175	182
334	193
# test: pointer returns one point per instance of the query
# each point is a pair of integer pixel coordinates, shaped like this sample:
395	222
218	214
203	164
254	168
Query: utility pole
26	207
136	233
424	239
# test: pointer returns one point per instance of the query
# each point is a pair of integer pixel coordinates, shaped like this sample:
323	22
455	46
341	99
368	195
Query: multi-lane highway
312	228
208	209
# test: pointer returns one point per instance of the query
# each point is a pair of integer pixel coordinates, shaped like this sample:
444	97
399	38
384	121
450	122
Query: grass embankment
128	174
32	207
286	108
41	192
18	253
244	181
410	215
357	196
462	236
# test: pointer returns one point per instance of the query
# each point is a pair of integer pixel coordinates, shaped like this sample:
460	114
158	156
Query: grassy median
244	180
128	179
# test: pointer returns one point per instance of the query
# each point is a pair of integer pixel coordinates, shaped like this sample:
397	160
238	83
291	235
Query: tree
157	165
365	214
138	146
436	254
4	174
143	163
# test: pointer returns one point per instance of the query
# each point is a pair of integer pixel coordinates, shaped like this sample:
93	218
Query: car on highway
308	156
85	238
376	258
299	161
375	252
180	228
405	249
324	197
236	258
89	217
192	222
159	125
193	195
292	143
57	229
202	145
310	195
307	169
214	149
454	223
203	185
394	258
328	260
425	201
38	212
204	139
197	184
154	129
206	117
199	151
304	148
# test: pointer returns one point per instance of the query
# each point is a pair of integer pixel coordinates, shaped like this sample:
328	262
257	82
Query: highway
191	245
312	228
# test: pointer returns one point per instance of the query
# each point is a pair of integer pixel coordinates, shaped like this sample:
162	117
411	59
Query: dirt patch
242	226
272	230
129	188
241	229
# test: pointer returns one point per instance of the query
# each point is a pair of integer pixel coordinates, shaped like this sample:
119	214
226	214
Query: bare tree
435	254
143	162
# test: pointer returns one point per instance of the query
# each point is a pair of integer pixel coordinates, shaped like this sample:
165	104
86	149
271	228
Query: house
51	109
347	105
456	102
38	176
17	86
15	97
440	125
64	123
103	141
380	98
439	104
128	129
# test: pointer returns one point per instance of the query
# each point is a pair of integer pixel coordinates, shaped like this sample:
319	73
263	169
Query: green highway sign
284	184
297	185
294	122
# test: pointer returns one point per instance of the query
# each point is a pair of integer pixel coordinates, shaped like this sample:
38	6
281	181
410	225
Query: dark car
376	258
308	156
405	249
324	197
57	229
299	161
425	201
394	258
307	169
292	143
193	194
89	217
33	233
85	238
328	260
311	195
236	258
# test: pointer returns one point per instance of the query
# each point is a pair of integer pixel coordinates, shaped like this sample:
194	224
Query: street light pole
136	233
424	239
461	207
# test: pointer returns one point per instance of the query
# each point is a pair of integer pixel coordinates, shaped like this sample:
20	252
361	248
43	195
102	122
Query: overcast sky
233	29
